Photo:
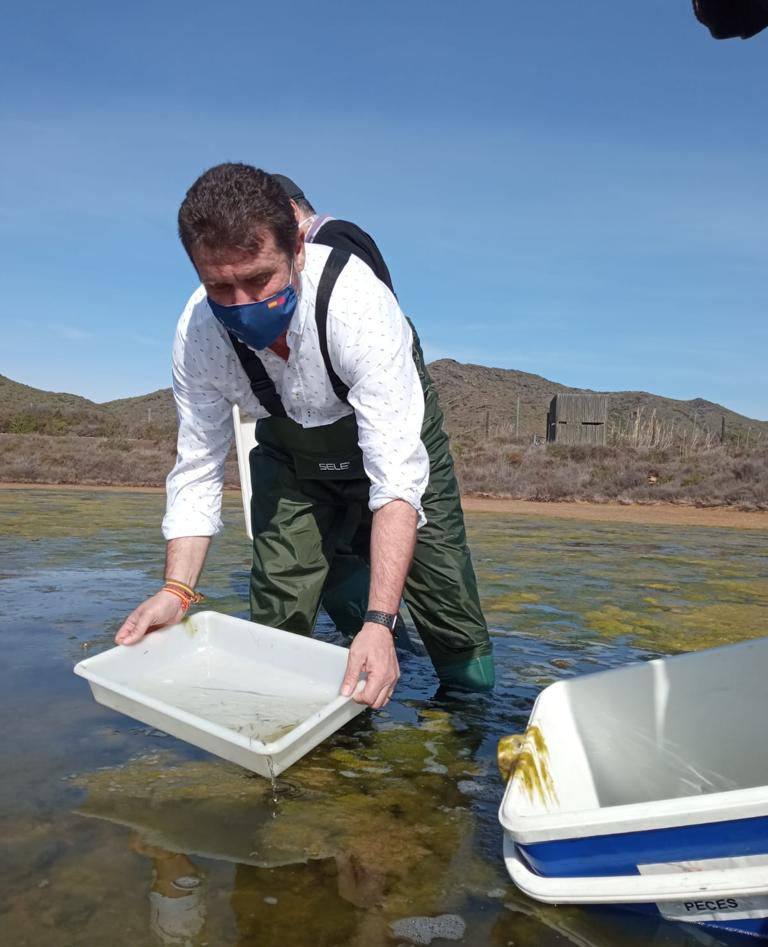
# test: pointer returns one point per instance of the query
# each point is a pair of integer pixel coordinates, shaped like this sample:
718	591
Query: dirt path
91	487
662	514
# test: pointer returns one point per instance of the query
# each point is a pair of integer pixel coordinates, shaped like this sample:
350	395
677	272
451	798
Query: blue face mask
258	324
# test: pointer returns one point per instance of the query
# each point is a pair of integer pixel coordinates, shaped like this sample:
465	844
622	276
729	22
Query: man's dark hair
229	207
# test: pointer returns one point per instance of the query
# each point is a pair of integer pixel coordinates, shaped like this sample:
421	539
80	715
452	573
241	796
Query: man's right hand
162	609
372	652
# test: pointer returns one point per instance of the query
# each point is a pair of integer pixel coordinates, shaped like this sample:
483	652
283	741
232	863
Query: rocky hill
27	410
469	394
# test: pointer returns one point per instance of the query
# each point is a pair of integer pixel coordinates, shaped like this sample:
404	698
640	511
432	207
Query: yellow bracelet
182	585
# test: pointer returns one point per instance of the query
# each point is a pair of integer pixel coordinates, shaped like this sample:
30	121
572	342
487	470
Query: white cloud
145	340
71	333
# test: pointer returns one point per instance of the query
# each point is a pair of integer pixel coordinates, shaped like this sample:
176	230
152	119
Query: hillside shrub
712	476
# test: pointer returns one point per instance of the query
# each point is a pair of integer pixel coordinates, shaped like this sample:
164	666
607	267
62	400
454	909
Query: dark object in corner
728	18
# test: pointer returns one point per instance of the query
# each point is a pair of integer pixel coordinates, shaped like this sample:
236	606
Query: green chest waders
312	525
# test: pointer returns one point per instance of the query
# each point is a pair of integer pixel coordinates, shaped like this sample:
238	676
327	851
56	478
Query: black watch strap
381	618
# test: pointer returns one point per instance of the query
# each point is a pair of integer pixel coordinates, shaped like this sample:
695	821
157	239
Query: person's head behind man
240	232
295	195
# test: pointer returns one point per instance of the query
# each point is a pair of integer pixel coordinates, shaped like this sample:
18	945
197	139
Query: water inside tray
262	703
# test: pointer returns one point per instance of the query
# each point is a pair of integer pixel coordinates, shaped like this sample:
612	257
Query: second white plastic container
648	786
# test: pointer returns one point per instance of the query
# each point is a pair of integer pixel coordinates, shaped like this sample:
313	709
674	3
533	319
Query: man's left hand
372	653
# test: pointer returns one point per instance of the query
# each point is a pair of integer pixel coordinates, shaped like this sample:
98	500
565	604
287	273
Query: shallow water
117	834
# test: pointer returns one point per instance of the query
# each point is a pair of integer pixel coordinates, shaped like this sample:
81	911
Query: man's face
236	277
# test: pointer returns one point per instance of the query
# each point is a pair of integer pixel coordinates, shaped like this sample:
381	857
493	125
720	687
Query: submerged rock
423	930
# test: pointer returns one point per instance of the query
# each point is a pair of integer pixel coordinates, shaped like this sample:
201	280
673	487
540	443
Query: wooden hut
578	419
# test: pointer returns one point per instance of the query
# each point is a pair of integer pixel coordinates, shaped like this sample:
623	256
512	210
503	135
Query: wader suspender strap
261	384
337	260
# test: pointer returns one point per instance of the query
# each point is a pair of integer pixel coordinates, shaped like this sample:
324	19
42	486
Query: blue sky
575	190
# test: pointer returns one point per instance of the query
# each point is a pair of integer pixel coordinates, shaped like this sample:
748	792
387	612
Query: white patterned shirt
369	342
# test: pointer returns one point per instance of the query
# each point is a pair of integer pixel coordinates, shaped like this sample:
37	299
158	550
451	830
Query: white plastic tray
253	695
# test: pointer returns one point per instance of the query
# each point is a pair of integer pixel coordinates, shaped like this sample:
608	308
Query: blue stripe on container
620	854
753	926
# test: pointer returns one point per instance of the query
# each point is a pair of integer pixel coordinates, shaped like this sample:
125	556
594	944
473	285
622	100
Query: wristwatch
382	618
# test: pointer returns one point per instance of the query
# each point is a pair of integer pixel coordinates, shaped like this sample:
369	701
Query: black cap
291	188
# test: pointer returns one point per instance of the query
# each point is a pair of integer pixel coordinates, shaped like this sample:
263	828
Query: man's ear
301	256
295	209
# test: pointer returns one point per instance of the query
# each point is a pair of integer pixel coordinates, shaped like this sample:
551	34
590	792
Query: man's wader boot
312	525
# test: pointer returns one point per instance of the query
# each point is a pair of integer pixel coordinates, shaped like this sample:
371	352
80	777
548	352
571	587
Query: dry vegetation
705	476
69	459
